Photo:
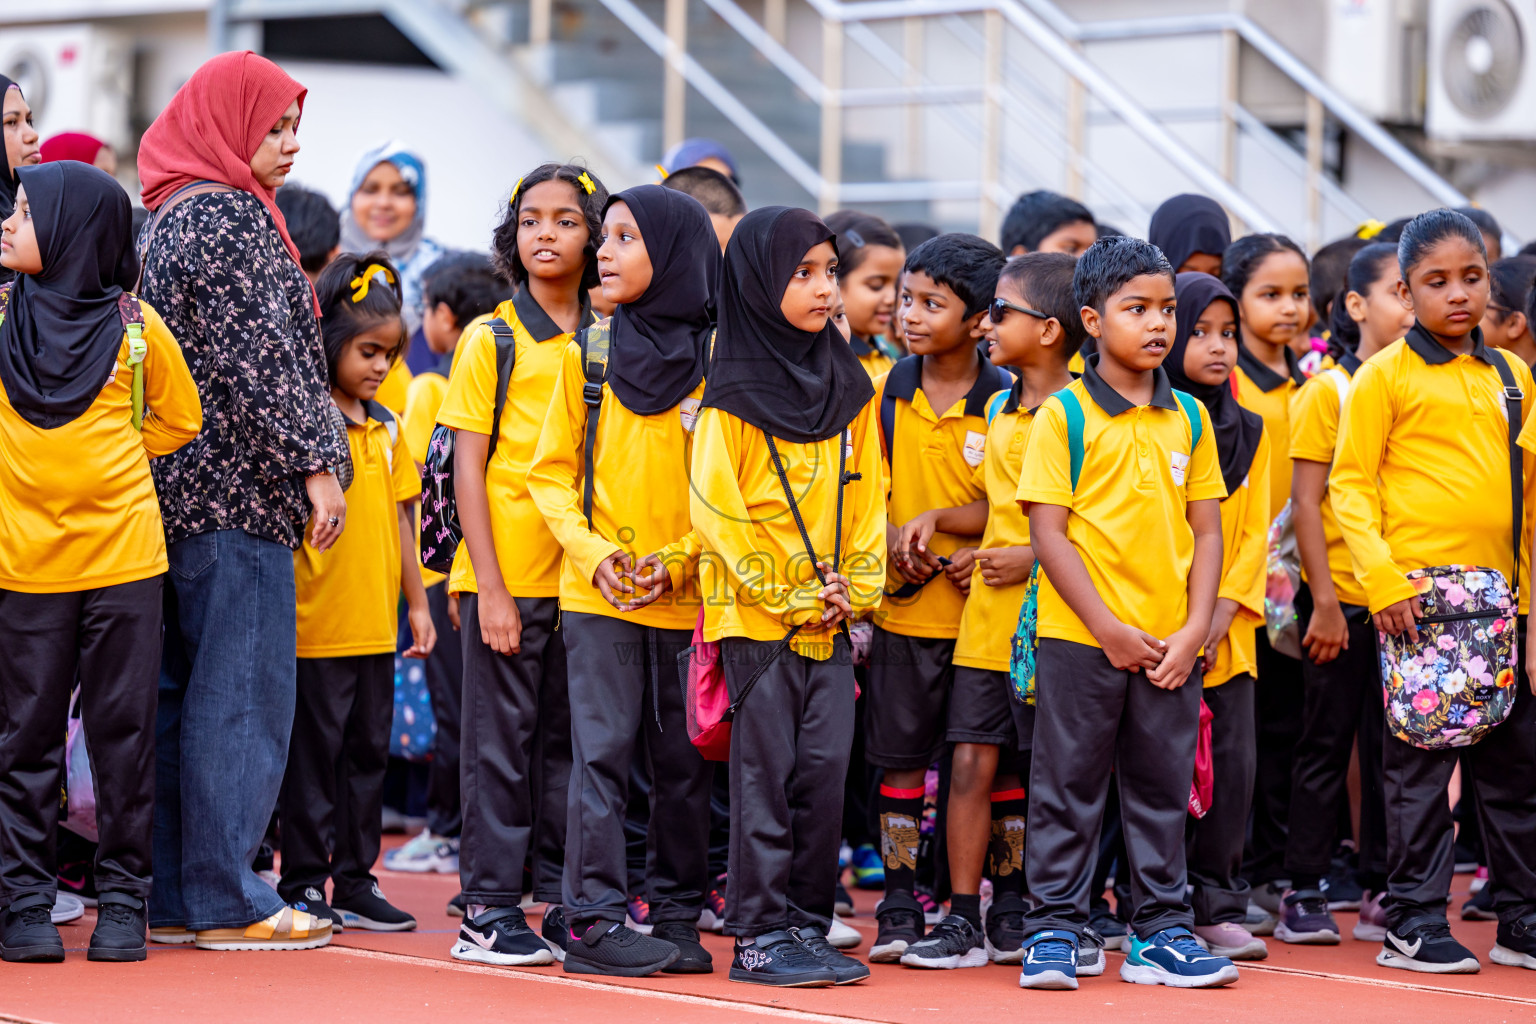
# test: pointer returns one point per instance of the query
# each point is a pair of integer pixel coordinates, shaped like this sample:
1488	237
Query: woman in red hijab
87	149
225	276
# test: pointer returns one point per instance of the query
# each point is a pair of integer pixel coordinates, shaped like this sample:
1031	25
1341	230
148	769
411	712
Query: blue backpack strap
1191	407
995	405
1074	412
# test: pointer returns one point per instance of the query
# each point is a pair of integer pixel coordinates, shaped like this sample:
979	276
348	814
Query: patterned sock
1005	853
900	812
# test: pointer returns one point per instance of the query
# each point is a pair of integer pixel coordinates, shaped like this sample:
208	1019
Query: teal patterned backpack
1021	655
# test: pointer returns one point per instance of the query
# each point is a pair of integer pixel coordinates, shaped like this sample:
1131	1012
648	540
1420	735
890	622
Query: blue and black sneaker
868	868
1050	961
1172	957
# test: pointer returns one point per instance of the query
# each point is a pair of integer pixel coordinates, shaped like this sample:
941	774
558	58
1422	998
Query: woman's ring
334	520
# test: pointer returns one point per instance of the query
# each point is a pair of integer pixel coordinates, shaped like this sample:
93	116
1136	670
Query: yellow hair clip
515	190
587	182
361	282
661	171
1370	229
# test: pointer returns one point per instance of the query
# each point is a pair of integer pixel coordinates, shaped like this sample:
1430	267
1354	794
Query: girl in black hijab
1193	232
21	149
82	545
790	514
659	261
1200	362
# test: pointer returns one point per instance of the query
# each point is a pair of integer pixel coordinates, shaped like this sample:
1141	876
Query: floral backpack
1457	681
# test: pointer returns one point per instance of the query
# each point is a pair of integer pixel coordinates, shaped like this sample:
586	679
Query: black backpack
440	530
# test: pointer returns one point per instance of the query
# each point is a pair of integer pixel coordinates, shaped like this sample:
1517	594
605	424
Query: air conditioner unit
76	77
1374	57
1482	70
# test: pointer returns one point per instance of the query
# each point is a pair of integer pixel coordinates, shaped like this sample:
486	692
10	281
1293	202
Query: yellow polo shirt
992	613
933	464
1128	516
754	573
1244	551
527	553
1315	410
1269	394
639	495
1421	471
871	356
348	596
78	509
395	387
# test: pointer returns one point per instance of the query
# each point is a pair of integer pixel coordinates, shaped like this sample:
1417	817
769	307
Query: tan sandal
286	929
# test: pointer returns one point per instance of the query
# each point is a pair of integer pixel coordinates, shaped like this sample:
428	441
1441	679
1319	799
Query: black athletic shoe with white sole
954	942
609	948
1090	953
1005	929
692	957
778	961
901	924
1425	945
28	934
846	969
312	901
371	912
1516	945
557	934
501	937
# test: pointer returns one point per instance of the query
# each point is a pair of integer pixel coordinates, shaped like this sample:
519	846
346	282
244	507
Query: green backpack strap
1191	407
595	342
1074	410
995	405
132	316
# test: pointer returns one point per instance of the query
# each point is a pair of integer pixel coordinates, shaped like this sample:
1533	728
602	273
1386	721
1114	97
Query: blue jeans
221	735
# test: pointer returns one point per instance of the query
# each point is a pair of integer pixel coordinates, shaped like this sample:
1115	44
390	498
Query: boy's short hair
313	224
1046	279
1109	263
714	191
965	264
1034	215
467	282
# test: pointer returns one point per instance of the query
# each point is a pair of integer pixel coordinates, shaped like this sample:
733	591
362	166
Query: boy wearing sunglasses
933	428
1032	326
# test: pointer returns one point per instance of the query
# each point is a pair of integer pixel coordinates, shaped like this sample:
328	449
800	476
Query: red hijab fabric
72	146
212	127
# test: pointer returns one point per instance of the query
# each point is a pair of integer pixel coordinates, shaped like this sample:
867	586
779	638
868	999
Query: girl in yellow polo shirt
1268	274
786	406
872	255
333	790
82	546
1200	362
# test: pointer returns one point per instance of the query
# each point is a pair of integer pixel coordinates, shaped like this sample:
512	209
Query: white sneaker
67	907
841	936
425	854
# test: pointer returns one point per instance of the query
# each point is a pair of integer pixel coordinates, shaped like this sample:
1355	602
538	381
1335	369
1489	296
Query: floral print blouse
220	276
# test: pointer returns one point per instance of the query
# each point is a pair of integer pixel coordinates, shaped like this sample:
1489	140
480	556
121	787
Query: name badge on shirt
688	412
1179	463
975	448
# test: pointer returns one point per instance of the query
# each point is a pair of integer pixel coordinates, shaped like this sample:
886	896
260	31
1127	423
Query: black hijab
1187	224
789	384
1237	429
660	340
62	331
7	172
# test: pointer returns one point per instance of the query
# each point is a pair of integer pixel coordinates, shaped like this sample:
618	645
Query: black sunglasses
1000	307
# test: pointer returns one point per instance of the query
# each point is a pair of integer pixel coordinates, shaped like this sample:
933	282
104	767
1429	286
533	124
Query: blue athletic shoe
1172	957
1050	961
868	869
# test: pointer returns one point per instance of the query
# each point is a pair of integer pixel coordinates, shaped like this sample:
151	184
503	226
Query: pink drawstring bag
706	697
1204	782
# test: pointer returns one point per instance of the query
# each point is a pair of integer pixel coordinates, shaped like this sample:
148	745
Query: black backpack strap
1513	399
506	359
901	382
594	341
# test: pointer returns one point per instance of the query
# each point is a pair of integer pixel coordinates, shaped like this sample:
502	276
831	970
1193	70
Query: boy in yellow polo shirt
1121	482
1033	325
515	753
932	409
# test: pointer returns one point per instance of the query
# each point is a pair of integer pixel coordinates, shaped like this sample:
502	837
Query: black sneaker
842	904
1005	929
456	906
500	937
27	932
312	900
954	942
1090	953
777	960
120	929
901	924
846	969
370	911
1107	926
1424	944
1480	906
557	934
1516	945
611	949
692	958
